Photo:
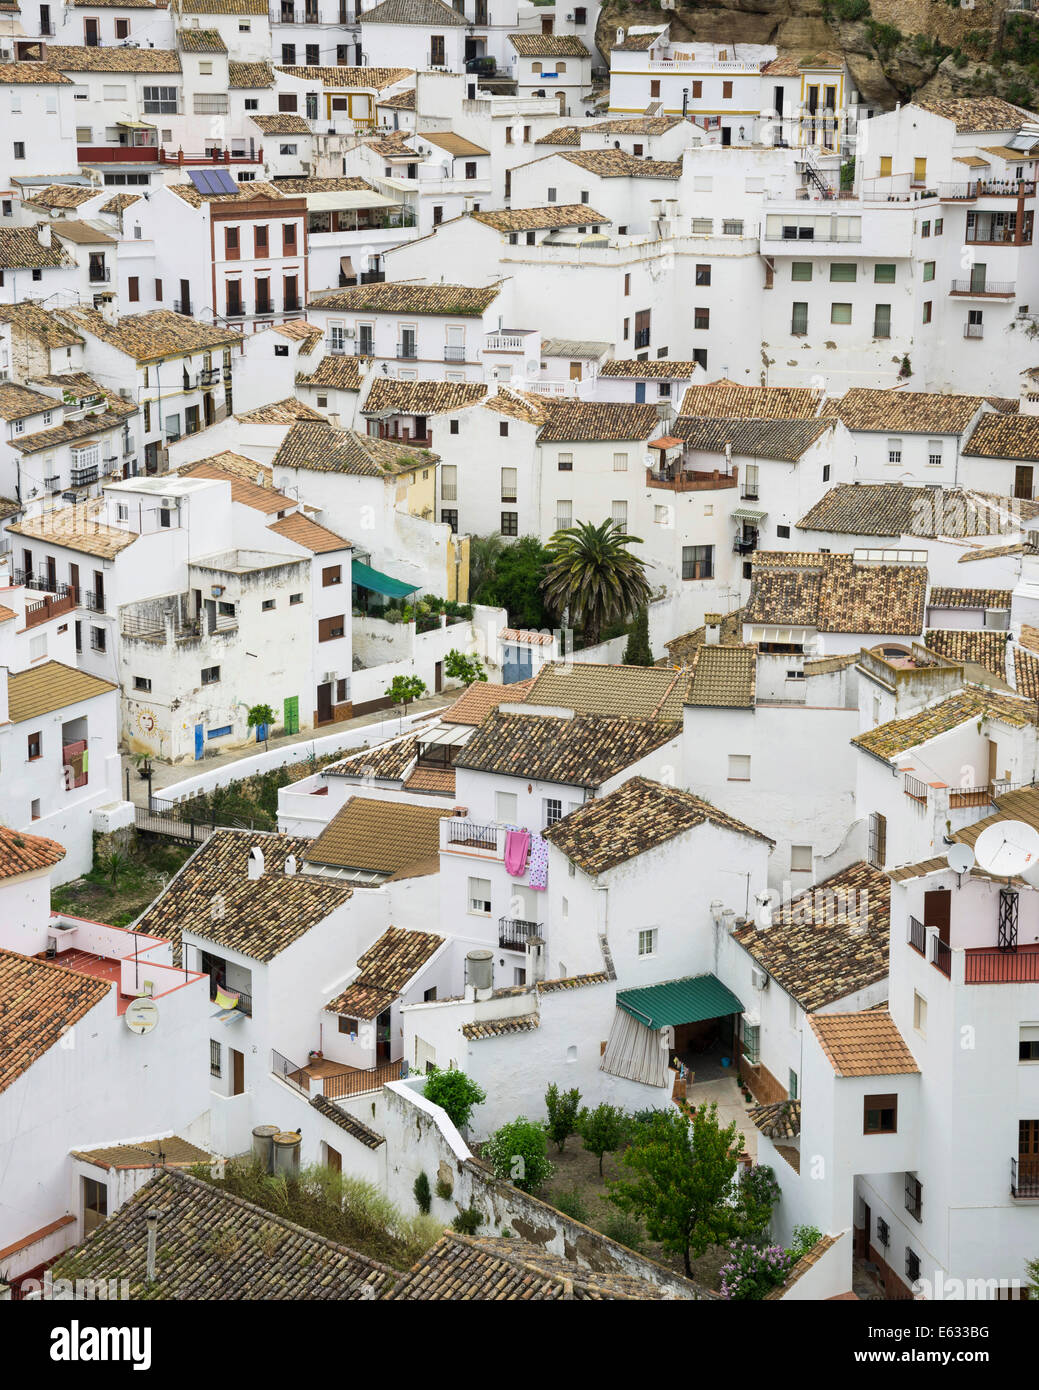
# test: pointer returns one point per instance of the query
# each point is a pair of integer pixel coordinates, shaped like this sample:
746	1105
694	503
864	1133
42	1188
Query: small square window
929	270
35	744
210	675
452	427
648	942
884	274
920	1013
295	598
267	605
553	810
880	1114
840	313
739	767
783	533
503	428
142	683
801	859
480	896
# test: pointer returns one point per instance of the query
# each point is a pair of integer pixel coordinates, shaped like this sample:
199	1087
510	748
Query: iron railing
467	832
915	789
994	967
1024	1177
453	353
998	289
407	351
513	933
917	935
182	306
288	1072
973	330
356	1083
914	1198
941	956
642	338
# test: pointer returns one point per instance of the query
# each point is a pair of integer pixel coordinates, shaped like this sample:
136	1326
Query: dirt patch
119	899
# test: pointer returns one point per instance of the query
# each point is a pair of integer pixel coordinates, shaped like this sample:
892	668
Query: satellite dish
961	858
1008	848
141	1016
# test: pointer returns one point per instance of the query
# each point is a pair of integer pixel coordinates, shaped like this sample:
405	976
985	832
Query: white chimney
290	865
713	635
620	36
151	1217
535	962
43	233
255	867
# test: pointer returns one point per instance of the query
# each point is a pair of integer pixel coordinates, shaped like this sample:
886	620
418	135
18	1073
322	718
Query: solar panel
213	181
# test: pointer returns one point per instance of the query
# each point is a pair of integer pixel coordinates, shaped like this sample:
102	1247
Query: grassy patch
141	879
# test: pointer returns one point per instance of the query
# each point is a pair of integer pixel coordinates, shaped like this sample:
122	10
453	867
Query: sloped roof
390	761
633	692
886	741
725	676
62	195
402	297
478	700
40	324
535	219
1004	437
381	836
18	402
21	853
243	490
902	509
947	597
985	647
549	46
20	249
157	334
39	1001
51	685
616	164
312	536
832	594
732	401
639	816
977	113
425	12
81	58
386	967
863	1044
284	412
170	1151
574	421
336	372
422	397
780	439
346	78
68	527
249	75
908	412
328	449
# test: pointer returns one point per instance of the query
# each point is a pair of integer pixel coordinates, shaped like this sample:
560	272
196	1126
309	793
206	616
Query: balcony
974	330
917	935
743	545
90	600
454	354
46	608
99	275
82	477
292	303
214	156
407	352
688	480
1024	1177
209	376
263	308
915	789
459	835
514	932
642	338
987	289
183	306
941	956
990	966
985	188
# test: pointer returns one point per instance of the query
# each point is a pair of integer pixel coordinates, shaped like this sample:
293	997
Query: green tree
484	553
682	1181
517	1153
602	1130
403	689
456	1093
758	1194
1032	1269
514	583
466	669
638	652
261	717
423	1196
593	575
563	1109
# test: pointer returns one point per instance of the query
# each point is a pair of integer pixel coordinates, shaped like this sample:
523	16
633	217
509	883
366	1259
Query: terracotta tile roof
422	397
449	141
637	43
1026	673
657	369
171	1151
314	537
734	402
1006	405
26	854
32	75
526	636
74	58
549	46
20	249
424	12
82	233
214	1245
116	4
886	741
985	647
18	402
832	594
1004	437
815	948
381	836
945	597
345	78
639	816
237	465
500	1027
398	297
155	335
50	686
909	412
489	1269
631	692
780	1120
242	7
574	347
573	421
400	101
977	113
6	614
900	509
284	412
386	968
725	675
533	219
247	493
249	75
780	439
245	193
636	125
61	195
69	527
863	1044
258	917
518	405
200	41
685	650
39	324
345	1120
568	982
1029	637
386	762
88	426
337	372
782	67
38	1003
615	164
300	331
438	781
562	135
281	123
120	203
478	700
581	752
992	552
327	449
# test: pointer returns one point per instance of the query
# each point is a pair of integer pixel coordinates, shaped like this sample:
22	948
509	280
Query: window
698	562
1028	1043
620	463
142	683
449	517
880	1114
347	1025
939	225
214	1057
791	1083
267	605
799	319
661	515
449	483
914	1197
551	195
894	451
619	514
843	273
912	1265
452	427
883	274
885	166
480	896
732	227
205	67
919	170
252	103
925	229
503	428
564	514
703	274
160	100
97	639
565	463
726	89
506	807
701	318
510	523
882	321
332	575
739	767
800	270
800	859
920	1013
927	311
934	453
627	284
210	675
34	809
840	313
627	329
783	533
553	810
260	241
133	289
328	629
508	484
751	1041
35	742
929	270
648	942
826	472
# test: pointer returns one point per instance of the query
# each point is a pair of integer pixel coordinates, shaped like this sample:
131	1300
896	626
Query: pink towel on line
517	842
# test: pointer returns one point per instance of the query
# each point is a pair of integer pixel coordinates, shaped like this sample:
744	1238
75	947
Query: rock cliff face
894	48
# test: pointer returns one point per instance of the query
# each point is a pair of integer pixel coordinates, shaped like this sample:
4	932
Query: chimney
535	959
290	865
43	233
713	622
620	37
255	867
151	1217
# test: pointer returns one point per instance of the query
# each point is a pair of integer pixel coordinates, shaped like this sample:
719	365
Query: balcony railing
985	188
974	330
93	602
469	834
407	351
1024	1177
642	338
915	789
941	956
292	303
99	274
742	546
357	1083
986	966
182	306
81	477
46	608
987	289
688	480
514	932
917	935
454	353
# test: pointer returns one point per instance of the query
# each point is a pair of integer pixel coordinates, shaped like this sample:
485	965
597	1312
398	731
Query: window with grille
882	321
565	463
934	453
620	463
214	1057
564	515
162	100
912	1265
914	1197
732	226
799	319
751	1042
480	896
702	226
553	810
698	562
883	1232
449	517
877	839
449	482
619	514
510	523
648	942
894	451
701	318
508	484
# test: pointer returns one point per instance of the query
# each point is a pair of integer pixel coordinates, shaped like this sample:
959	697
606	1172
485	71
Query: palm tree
593	574
483	554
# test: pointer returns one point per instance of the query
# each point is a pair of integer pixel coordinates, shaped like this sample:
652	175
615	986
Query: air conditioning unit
125	393
759	978
350	333
328	677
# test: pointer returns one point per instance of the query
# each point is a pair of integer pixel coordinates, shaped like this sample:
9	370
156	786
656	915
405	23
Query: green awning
691	1000
379	583
747	514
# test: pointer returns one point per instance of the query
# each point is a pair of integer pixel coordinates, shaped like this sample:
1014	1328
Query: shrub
638	651
750	1271
443	1189
625	1230
571	1204
758	1194
517	1154
602	1130
466	669
804	1239
456	1093
563	1110
423	1197
468	1222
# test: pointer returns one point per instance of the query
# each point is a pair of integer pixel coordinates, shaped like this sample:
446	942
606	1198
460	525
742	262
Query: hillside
894	48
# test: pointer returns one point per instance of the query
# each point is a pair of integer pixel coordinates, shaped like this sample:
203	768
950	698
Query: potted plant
143	763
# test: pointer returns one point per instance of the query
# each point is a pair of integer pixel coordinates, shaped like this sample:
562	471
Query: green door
292	715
